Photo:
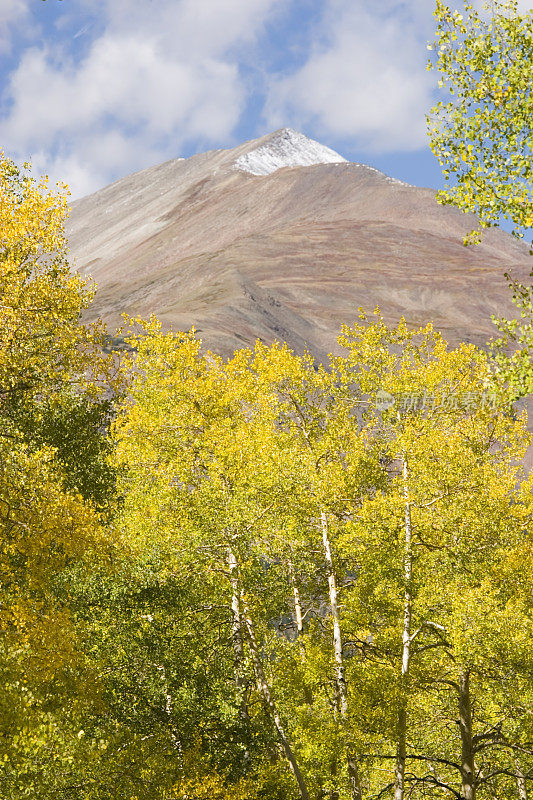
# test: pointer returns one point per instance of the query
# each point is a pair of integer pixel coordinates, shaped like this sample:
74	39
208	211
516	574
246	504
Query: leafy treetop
483	134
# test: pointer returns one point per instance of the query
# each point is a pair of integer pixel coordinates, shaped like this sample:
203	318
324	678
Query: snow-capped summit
286	148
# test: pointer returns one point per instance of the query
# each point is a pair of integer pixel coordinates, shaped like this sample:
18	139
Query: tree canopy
262	577
483	134
483	138
52	374
344	530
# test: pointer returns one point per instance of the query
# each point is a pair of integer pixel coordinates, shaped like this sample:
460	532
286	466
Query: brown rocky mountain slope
287	255
281	238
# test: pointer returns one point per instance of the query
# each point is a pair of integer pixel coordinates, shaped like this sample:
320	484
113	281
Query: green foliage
75	426
483	138
240	618
52	376
483	134
246	455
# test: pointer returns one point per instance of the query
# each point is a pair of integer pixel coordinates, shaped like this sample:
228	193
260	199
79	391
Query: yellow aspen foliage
481	134
345	547
44	350
42	528
484	58
47	357
203	783
43	345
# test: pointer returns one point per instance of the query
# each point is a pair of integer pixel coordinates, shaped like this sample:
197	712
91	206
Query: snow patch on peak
286	148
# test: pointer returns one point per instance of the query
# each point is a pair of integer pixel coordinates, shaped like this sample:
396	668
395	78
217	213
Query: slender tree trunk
401	751
468	772
337	638
342	693
297	604
238	647
399	783
308	696
521	786
266	694
168	711
236	626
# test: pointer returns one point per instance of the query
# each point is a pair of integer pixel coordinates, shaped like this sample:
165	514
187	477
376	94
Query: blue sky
92	90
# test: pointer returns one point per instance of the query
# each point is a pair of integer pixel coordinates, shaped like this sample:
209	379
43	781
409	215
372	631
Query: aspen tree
482	136
51	376
43	350
386	490
399	789
326	451
459	499
43	345
195	454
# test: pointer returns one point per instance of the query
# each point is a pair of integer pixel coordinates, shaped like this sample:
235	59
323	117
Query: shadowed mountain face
281	238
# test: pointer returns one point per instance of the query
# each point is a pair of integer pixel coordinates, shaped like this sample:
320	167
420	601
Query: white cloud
197	27
365	79
126	82
12	14
90	165
153	80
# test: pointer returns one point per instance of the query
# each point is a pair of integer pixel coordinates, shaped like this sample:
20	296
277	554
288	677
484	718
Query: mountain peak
285	148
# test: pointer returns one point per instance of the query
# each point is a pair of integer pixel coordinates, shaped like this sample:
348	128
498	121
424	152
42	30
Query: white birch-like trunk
270	705
468	770
299	627
236	626
168	712
521	786
401	752
296	599
342	693
238	646
333	602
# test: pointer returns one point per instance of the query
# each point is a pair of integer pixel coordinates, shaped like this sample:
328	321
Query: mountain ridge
320	239
289	255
